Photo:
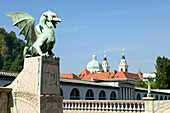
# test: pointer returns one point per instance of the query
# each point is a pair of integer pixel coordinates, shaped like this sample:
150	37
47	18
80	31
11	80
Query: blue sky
141	27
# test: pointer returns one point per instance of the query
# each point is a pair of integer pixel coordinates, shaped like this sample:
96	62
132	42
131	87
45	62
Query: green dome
94	63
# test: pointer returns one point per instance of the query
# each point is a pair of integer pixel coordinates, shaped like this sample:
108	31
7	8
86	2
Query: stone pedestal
148	104
37	87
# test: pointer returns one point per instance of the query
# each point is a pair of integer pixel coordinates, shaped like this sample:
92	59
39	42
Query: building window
165	98
161	98
145	95
169	98
121	69
102	95
156	97
126	70
113	96
138	97
89	95
75	95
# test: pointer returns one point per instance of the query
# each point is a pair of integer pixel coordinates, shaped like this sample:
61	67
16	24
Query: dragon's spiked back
26	24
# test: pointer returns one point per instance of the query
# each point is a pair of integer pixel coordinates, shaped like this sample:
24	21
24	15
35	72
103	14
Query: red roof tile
84	73
140	74
69	75
109	75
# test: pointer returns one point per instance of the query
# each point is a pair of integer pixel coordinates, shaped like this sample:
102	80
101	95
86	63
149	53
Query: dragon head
51	19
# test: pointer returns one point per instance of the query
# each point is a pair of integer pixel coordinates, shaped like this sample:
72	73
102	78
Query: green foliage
162	73
141	83
11	58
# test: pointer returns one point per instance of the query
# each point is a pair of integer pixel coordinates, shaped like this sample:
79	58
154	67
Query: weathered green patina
40	39
148	82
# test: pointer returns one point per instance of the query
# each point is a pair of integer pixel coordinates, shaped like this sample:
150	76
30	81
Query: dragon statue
40	38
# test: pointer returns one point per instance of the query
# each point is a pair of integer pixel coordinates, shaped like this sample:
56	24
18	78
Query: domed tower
94	66
105	64
123	63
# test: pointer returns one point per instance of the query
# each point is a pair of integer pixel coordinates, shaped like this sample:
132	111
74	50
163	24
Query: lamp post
147	78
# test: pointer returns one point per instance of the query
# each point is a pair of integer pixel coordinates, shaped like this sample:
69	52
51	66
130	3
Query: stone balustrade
102	106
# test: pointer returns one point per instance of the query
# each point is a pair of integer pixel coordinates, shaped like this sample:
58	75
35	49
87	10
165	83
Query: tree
11	49
162	73
141	83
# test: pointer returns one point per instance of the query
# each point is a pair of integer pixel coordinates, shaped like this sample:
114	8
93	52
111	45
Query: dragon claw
56	57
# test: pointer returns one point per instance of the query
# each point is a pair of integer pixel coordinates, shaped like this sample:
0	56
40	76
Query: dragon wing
26	24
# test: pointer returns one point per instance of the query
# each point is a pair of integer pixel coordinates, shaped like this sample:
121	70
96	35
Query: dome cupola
94	66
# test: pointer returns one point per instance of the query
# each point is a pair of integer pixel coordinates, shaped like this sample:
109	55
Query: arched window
156	97
89	95
61	92
165	98
121	69
161	98
145	95
102	95
126	70
75	95
113	96
138	97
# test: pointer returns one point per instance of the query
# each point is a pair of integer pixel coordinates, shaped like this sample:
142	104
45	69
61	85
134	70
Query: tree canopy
162	73
11	48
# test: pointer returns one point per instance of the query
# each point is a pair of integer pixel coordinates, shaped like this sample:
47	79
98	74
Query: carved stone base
37	87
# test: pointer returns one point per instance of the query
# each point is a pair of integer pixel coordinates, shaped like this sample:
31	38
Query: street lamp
147	78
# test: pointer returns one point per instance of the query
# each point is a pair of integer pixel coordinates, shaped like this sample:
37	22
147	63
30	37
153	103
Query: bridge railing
137	106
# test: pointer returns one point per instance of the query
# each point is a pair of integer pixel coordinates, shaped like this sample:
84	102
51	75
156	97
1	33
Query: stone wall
4	99
37	88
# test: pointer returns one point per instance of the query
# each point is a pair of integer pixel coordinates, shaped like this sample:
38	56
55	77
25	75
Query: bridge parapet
102	106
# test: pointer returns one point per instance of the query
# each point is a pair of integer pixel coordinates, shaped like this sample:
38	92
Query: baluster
104	106
126	107
75	106
72	107
138	107
79	104
88	106
142	107
107	106
85	107
122	107
96	106
130	107
68	106
99	106
92	107
118	107
65	107
114	107
82	106
135	107
110	107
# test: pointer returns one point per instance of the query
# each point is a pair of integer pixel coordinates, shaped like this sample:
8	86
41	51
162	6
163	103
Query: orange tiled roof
69	75
84	73
109	75
140	74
